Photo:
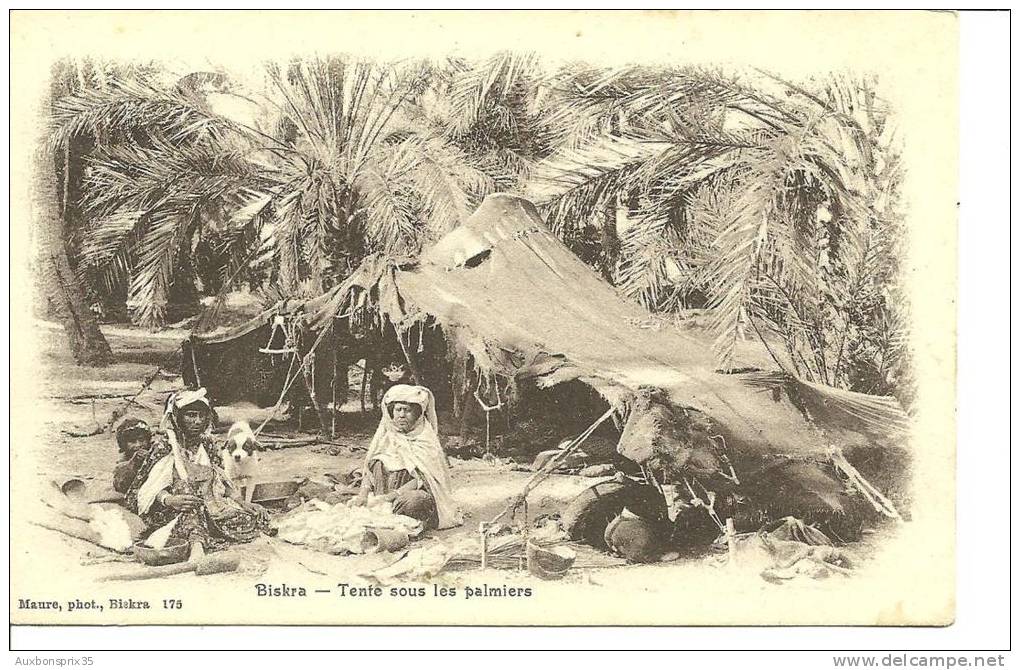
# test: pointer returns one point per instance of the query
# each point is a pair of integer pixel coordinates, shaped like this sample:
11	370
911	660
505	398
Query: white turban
187	397
415	395
180	399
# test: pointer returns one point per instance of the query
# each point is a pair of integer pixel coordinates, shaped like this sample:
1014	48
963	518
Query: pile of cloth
425	562
341	528
790	550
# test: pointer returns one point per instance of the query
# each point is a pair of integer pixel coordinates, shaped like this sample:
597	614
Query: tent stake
731	541
483	531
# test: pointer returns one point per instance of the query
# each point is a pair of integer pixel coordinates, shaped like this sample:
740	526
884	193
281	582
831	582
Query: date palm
774	203
496	110
323	167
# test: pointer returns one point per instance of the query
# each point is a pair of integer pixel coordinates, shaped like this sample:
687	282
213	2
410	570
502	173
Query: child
134	439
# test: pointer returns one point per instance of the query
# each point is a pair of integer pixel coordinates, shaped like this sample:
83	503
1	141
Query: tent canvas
508	294
227	360
504	289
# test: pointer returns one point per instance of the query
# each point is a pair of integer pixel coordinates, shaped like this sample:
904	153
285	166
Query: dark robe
217	523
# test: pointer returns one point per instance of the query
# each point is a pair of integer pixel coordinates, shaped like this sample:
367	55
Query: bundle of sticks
508	552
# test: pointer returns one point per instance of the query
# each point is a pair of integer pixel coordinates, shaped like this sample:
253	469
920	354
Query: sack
636	539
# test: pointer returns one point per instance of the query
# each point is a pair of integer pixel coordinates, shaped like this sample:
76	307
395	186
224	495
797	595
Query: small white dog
241	459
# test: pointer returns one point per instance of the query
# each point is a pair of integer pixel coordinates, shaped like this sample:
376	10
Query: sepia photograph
362	318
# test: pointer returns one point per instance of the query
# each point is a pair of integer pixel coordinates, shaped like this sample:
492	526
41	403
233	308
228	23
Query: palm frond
653	262
573	183
244	242
474	86
106	236
449	184
138	177
133	192
155	257
594	100
744	226
126	106
391	215
105	248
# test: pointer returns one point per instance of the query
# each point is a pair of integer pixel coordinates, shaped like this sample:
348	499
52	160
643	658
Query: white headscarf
179	399
417	450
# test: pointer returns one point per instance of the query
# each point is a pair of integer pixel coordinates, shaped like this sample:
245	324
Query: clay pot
376	540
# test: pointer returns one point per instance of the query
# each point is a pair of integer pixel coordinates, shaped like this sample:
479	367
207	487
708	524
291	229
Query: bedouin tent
506	292
227	359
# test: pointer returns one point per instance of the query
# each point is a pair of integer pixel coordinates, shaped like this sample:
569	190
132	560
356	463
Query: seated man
134	439
405	461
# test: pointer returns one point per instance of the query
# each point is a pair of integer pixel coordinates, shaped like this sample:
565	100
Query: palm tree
324	167
506	111
85	341
496	109
57	171
773	203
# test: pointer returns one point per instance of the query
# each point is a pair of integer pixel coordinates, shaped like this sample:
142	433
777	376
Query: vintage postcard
521	317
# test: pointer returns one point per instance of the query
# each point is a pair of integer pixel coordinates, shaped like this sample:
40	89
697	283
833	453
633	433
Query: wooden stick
87	534
146	384
547	469
731	541
295	442
92	396
874	496
98	430
207	565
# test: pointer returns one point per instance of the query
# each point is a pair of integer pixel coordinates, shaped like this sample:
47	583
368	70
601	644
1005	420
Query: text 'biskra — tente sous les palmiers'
346	590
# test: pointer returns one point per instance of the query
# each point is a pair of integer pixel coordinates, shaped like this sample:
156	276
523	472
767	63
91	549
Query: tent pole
365	372
466	408
415	373
333	407
547	469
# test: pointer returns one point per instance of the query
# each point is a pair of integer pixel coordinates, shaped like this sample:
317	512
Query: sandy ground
600	581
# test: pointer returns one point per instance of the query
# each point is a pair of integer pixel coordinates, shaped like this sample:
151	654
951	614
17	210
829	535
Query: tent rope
287	383
297	373
209	314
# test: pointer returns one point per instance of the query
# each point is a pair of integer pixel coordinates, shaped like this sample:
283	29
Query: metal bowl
175	551
274	492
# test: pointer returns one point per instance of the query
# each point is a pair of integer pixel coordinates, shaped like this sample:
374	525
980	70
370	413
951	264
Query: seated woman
181	491
406	463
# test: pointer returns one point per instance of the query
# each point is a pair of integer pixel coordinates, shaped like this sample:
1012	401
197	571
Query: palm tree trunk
86	342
